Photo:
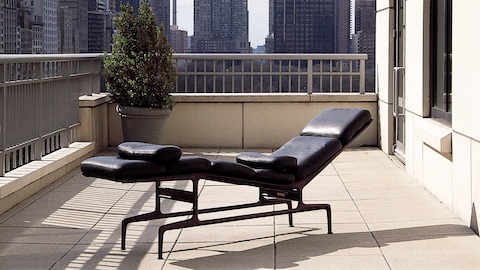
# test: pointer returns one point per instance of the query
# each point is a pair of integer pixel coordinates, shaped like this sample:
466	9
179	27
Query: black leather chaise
280	176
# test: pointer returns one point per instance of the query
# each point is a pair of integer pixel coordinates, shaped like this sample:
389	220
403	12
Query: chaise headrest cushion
162	154
341	124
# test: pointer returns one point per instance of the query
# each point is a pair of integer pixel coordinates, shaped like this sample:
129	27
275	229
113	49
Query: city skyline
258	19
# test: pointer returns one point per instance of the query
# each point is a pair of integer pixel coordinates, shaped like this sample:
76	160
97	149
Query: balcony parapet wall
249	120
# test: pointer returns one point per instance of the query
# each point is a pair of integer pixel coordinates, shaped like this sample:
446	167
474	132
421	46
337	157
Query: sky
258	19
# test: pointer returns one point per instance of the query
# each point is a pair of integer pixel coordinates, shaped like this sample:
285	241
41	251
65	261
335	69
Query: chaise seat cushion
272	162
241	171
163	154
311	153
342	124
121	170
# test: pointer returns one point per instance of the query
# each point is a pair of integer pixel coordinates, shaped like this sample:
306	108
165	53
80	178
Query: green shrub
140	72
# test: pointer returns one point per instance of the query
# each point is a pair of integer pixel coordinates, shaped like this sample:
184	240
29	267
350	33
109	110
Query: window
442	60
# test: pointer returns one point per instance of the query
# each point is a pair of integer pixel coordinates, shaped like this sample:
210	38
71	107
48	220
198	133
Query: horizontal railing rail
39	103
270	73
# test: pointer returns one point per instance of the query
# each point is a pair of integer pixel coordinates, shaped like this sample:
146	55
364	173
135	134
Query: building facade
161	8
363	41
342	26
50	26
428	92
221	26
179	40
8	24
304	26
79	10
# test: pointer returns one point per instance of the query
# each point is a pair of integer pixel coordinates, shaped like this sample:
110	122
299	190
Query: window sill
434	134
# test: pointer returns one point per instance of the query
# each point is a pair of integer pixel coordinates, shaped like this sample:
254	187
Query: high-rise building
178	40
79	10
24	27
304	26
100	28
342	14
50	29
161	8
65	30
134	3
221	26
8	25
364	37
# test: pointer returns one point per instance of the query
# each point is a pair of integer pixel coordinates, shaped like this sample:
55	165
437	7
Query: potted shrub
140	74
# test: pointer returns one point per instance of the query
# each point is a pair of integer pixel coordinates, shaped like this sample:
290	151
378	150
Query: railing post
362	76
37	149
310	76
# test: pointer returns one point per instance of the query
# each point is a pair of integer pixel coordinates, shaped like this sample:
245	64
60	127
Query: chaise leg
329	219
290	215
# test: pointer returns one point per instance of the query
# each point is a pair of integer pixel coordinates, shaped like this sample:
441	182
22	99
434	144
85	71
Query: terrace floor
382	219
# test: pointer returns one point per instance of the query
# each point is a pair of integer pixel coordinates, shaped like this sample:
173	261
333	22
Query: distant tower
79	10
364	37
304	26
221	26
174	12
161	8
342	14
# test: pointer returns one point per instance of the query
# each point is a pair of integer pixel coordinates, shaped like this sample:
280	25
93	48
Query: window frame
443	111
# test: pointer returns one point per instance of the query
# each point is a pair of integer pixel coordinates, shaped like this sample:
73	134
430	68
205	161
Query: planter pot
143	124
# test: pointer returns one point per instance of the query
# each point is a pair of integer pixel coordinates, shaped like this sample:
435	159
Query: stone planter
143	124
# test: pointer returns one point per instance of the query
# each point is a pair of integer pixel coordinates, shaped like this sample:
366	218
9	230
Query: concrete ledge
434	134
93	100
23	182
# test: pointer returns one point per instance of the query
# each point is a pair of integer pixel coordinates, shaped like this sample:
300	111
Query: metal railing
39	103
270	73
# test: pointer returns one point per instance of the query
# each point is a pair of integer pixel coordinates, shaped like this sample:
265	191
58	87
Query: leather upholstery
238	170
159	153
341	124
311	152
119	169
188	165
273	162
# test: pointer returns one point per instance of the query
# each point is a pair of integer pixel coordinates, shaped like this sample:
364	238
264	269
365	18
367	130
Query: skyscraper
8	21
134	3
306	26
221	26
364	37
79	10
161	8
50	29
342	14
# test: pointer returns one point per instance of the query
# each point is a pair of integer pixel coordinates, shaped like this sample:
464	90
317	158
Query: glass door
398	80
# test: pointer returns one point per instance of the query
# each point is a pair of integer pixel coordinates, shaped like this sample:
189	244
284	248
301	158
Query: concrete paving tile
404	214
254	254
41	235
408	224
108	230
39	217
31	256
430	243
457	260
109	256
379	193
368	262
319	217
399	202
297	245
337	228
224	233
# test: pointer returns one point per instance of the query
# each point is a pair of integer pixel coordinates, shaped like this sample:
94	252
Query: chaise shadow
301	246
